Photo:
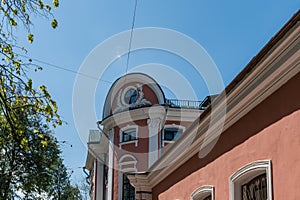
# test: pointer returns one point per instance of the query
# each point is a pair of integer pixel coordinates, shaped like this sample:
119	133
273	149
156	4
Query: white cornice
174	114
275	69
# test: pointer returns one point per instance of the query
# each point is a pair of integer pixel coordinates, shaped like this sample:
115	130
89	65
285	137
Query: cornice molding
158	111
140	182
273	71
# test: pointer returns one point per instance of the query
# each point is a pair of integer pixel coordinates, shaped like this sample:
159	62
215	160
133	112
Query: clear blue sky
232	32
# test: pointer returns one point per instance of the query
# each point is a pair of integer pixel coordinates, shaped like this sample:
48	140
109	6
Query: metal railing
175	103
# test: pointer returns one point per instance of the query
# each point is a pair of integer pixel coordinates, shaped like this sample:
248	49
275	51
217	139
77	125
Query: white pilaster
110	164
156	116
99	179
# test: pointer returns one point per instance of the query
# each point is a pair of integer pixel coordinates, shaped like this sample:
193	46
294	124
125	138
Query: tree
62	188
84	188
29	153
30	156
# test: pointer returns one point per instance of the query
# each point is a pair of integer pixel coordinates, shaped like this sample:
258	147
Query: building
166	149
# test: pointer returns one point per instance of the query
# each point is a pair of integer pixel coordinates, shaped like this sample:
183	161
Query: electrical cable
131	36
65	69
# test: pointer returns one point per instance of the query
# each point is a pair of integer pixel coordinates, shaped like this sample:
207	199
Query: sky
232	32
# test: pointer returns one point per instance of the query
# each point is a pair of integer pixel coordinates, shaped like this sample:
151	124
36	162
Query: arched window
127	163
203	193
252	182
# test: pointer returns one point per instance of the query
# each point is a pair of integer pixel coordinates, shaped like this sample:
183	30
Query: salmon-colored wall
270	131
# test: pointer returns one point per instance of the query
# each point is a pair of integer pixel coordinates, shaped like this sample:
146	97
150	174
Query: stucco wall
270	131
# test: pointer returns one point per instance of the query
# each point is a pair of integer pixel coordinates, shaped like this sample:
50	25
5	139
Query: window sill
167	142
128	142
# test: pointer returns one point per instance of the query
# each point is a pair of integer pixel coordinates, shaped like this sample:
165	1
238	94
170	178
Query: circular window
130	96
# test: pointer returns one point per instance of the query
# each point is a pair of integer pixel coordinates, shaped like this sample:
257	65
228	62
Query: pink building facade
251	151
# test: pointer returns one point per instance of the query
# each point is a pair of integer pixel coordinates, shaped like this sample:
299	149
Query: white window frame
122	170
131	141
248	172
121	163
203	192
180	127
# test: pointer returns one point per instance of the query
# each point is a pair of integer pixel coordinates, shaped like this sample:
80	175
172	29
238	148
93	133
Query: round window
130	96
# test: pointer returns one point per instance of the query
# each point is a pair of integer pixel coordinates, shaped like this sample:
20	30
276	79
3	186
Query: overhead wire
126	71
131	36
65	69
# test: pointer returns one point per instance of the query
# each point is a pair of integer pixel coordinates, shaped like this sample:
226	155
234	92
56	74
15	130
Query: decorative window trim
248	172
133	162
131	141
170	126
203	192
138	102
124	170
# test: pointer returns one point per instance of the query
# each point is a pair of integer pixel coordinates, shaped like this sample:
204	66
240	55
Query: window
203	193
129	134
252	182
171	133
128	192
255	189
130	96
127	163
207	198
105	181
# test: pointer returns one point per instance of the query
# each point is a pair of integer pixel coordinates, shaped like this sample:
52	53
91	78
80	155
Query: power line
65	69
131	36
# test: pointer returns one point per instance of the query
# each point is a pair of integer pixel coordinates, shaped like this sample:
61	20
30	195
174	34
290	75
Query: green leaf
42	88
30	38
28	86
41	4
48	7
55	3
12	22
44	143
15	11
59	122
54	23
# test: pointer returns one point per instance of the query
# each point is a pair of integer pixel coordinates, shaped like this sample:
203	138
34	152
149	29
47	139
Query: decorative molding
143	196
248	172
275	69
133	162
154	127
131	78
175	126
133	115
139	102
154	123
140	183
203	192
